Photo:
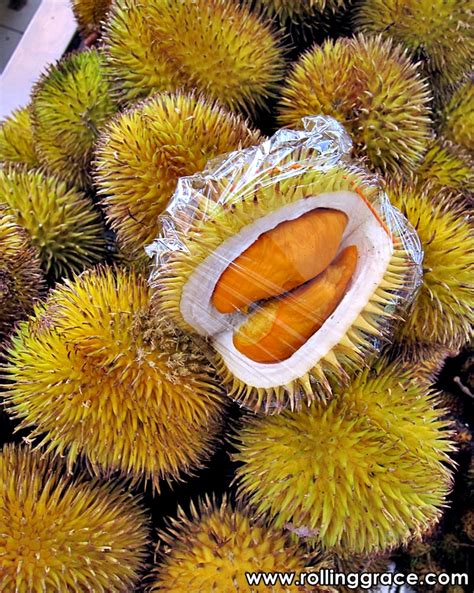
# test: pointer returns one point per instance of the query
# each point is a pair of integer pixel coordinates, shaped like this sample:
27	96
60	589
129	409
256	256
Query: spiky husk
439	31
62	533
144	151
457	117
232	214
96	375
62	223
70	104
468	524
21	278
213	548
16	139
297	10
423	361
90	14
371	86
359	563
443	310
215	46
362	474
447	166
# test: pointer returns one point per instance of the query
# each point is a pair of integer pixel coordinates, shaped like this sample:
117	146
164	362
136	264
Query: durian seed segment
281	259
375	250
279	327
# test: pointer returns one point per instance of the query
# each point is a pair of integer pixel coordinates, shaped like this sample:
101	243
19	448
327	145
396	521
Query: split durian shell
230	218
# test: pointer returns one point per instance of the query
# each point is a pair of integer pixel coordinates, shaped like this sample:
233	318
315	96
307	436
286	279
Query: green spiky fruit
468	524
370	86
21	278
298	10
439	31
213	549
96	375
215	46
243	206
424	361
446	166
65	534
90	14
359	563
62	223
362	474
174	135
457	117
16	139
443	310
70	104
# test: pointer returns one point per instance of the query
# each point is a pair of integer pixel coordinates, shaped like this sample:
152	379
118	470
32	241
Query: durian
457	117
366	472
437	31
468	524
174	135
297	11
443	310
372	87
21	278
70	104
90	14
424	361
95	375
254	236
62	223
215	46
63	534
214	548
16	139
358	564
446	166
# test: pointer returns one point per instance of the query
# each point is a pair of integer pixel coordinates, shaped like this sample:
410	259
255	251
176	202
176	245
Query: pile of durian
134	458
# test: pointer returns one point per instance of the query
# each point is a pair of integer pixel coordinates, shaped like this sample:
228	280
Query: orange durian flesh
280	327
279	260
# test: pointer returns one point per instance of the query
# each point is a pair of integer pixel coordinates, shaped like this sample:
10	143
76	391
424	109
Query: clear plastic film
287	263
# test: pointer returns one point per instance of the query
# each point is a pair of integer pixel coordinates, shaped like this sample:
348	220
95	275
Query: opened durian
290	264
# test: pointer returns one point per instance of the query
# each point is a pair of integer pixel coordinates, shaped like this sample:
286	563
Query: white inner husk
374	252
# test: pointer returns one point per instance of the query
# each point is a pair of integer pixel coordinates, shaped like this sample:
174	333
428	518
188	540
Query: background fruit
442	312
70	104
21	278
361	474
62	222
63	533
16	139
95	374
143	152
213	549
216	47
371	86
437	31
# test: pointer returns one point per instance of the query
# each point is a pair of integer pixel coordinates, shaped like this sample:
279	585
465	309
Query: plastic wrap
287	263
